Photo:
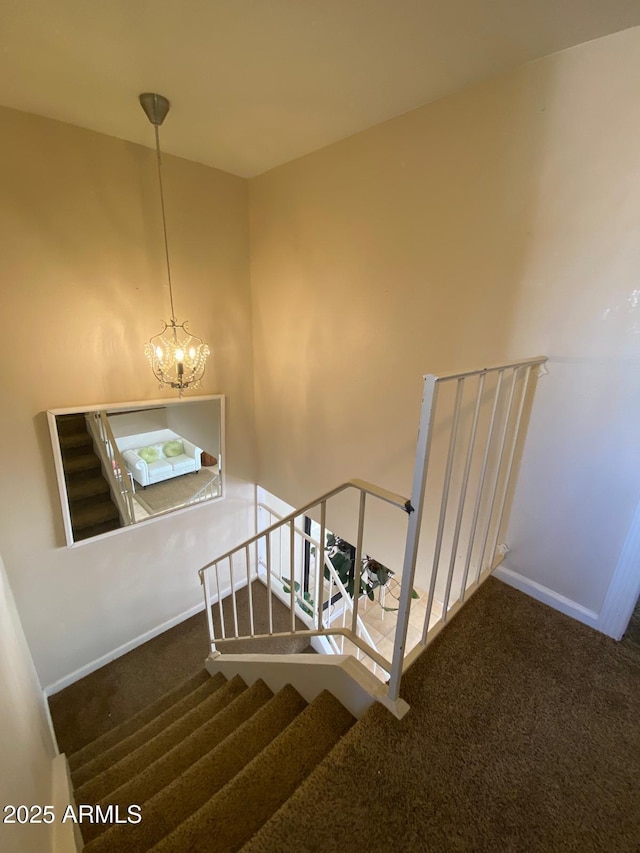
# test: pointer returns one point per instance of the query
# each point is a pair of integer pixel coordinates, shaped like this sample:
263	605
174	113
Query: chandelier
177	356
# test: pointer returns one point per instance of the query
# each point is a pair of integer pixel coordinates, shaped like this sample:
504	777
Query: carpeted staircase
209	763
523	736
91	506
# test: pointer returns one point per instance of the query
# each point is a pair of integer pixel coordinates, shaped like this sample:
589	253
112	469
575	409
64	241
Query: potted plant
374	575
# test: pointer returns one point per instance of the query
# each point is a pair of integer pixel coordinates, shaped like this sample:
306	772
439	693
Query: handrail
344	595
200	495
483	429
117	468
524	362
348	602
360	485
121	471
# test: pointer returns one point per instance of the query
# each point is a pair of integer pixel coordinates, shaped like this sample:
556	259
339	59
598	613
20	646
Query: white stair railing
480	431
264	556
208	491
113	465
472	426
337	601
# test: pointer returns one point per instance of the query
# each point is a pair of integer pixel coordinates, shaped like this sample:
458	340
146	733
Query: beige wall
199	422
82	290
26	745
134	423
499	223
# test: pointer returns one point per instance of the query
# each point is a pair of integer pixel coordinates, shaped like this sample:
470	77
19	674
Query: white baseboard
277	590
90	667
548	596
624	589
342	675
66	836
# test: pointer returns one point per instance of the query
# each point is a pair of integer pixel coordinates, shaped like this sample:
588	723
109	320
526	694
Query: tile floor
381	626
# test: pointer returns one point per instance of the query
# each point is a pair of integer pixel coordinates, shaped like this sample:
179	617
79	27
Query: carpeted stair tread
90	511
145	732
147	750
522	736
177	761
196	785
70	423
238	810
279	824
73	440
86	485
77	462
128	727
91	507
95	529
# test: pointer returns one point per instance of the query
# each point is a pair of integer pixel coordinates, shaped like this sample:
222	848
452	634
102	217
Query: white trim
624	589
548	596
88	668
66	836
342	675
116	407
62	488
143	521
49	719
136	404
538	359
277	589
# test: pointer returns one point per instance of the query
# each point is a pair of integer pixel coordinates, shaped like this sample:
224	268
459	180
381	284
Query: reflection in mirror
123	464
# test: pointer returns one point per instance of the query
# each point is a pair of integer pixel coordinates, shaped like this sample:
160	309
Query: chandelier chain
164	220
177	356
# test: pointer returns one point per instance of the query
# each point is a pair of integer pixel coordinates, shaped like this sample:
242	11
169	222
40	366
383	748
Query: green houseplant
374	575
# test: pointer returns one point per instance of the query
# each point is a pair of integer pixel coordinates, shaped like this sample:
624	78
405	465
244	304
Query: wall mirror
128	463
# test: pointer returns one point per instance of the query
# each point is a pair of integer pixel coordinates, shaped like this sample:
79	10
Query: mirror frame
115	407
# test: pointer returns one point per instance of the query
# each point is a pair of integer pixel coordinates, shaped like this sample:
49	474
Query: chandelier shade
177	357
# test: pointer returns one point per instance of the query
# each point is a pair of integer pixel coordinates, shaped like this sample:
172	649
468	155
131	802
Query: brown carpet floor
523	735
632	634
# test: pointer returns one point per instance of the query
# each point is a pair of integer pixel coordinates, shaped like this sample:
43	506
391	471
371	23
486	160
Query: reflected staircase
91	506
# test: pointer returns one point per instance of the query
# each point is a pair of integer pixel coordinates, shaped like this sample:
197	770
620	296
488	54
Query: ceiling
256	83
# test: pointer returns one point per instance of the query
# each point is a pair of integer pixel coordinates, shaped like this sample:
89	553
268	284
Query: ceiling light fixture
177	357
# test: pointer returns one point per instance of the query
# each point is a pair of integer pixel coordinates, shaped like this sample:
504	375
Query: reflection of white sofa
152	457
